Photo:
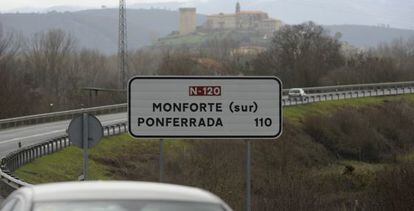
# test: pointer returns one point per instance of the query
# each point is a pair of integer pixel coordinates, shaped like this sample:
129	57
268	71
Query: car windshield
125	205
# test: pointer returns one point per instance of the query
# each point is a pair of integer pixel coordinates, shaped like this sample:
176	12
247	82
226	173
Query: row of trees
50	67
306	55
47	73
301	55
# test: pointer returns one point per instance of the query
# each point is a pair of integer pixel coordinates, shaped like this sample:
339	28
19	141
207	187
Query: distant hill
396	13
98	29
369	36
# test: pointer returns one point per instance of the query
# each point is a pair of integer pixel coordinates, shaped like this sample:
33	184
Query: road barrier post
85	146
161	160
248	176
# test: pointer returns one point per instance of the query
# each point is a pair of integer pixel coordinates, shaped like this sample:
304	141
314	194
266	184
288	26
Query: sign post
85	145
85	132
248	175
161	162
206	108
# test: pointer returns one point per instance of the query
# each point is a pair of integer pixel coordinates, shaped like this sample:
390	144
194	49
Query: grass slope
297	113
201	38
67	164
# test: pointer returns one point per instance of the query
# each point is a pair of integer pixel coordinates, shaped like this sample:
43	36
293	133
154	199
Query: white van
297	93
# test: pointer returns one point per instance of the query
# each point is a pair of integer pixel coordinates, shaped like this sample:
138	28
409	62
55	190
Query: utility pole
122	45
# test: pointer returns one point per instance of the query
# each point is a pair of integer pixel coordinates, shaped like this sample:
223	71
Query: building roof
192	9
271	20
252	12
241	12
221	15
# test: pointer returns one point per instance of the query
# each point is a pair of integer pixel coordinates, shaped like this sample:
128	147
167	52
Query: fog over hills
369	36
396	13
98	29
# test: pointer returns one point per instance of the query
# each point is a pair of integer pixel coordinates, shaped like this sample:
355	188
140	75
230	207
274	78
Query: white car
112	196
297	93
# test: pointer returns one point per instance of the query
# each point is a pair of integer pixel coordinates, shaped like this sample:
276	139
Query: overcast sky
396	13
6	5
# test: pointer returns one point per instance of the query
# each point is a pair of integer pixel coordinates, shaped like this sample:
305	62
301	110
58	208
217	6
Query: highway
30	135
34	134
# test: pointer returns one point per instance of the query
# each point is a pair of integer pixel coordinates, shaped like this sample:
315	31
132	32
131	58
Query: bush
393	189
373	134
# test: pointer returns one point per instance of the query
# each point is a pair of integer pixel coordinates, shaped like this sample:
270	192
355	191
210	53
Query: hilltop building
243	20
188	21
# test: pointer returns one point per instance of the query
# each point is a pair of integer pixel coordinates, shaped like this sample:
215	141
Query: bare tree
388	62
14	90
219	49
145	61
300	55
49	57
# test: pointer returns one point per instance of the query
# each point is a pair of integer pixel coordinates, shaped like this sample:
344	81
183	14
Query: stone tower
188	20
238	8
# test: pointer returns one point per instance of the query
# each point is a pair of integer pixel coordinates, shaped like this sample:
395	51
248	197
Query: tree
386	63
49	57
300	55
219	49
176	63
8	46
144	62
16	96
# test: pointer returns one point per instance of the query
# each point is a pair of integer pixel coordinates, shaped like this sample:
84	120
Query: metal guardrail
12	181
354	87
63	115
347	95
15	160
56	116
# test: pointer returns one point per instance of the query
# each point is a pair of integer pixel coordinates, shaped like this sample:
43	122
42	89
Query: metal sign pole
161	160
248	176
85	132
85	146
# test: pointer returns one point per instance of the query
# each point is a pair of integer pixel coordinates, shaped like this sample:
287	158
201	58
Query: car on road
297	93
112	196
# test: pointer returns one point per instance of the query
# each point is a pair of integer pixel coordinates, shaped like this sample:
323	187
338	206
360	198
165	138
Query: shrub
393	189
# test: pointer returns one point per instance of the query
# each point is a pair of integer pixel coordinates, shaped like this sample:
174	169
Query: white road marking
49	133
32	136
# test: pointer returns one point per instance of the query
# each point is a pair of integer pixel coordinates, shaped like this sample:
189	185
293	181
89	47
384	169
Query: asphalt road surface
34	134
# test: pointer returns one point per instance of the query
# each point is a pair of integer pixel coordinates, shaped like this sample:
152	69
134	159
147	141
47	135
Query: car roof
113	190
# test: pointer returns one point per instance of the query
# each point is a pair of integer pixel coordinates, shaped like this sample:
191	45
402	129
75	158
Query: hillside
98	29
330	155
369	36
360	36
397	13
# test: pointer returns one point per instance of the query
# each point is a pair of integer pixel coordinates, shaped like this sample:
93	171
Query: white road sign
205	107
